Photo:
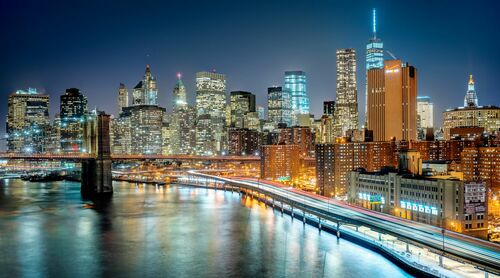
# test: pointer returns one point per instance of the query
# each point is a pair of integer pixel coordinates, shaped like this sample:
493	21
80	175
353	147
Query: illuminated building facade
210	113
179	95
261	112
325	180
296	84
470	99
425	115
243	141
300	136
374	55
182	124
28	124
449	203
146	123
392	102
487	117
241	103
346	104
344	157
73	113
279	106
482	164
280	162
120	135
122	97
145	92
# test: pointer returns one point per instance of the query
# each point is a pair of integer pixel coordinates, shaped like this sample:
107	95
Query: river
49	230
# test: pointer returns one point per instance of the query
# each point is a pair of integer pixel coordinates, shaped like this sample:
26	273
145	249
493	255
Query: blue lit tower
470	99
296	84
374	55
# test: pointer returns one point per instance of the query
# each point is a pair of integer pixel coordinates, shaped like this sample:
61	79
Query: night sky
94	46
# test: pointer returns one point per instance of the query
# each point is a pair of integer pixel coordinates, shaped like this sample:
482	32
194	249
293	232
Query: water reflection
176	231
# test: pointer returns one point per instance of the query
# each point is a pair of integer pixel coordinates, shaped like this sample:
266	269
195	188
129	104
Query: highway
475	250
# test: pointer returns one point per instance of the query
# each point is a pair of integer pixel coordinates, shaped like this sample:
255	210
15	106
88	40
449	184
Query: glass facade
279	106
296	84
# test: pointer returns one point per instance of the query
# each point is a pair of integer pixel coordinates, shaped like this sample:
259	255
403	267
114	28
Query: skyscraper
296	84
470	99
279	106
179	96
210	112
28	121
328	107
145	92
346	110
241	103
145	128
73	113
122	97
374	56
425	115
182	123
392	101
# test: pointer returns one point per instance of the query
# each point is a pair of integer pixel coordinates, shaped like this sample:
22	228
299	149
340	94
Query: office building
73	113
179	95
346	104
145	92
182	126
425	116
261	112
328	107
279	106
122	97
120	135
146	122
392	97
296	84
440	201
279	162
210	113
28	124
470	99
241	103
374	56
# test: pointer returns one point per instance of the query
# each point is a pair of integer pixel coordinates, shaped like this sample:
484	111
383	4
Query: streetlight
441	258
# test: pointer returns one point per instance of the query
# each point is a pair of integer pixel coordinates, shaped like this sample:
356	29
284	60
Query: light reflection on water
47	229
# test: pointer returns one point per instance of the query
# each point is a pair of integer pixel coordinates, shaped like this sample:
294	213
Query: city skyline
100	74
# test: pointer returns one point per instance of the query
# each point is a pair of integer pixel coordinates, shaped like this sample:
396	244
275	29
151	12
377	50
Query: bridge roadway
83	156
484	254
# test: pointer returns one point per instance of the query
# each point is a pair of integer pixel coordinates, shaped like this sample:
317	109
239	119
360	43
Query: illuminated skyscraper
182	124
374	56
241	103
73	113
28	121
145	92
122	97
470	99
346	110
210	113
296	84
179	94
279	106
425	115
146	123
392	101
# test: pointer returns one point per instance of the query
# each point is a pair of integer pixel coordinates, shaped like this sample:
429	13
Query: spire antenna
374	23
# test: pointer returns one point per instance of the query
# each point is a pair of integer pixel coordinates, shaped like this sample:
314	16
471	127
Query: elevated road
484	254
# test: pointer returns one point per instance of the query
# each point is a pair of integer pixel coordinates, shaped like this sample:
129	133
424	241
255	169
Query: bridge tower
96	171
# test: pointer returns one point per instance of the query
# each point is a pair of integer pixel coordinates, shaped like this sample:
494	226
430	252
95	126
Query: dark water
47	229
